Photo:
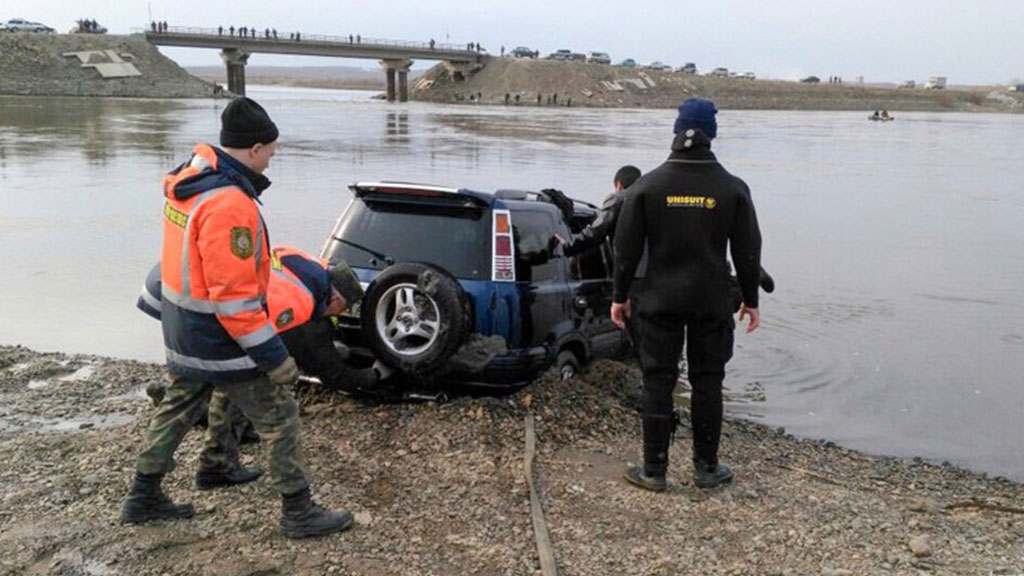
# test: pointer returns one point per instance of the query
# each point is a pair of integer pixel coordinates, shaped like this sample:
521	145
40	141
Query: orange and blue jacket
215	270
299	289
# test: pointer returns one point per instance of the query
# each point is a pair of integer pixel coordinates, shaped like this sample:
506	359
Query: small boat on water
881	118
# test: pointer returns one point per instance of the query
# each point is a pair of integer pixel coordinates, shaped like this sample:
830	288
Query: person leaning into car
219	339
302	296
603	226
688	211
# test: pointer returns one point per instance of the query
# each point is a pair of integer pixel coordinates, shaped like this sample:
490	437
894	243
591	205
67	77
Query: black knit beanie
244	123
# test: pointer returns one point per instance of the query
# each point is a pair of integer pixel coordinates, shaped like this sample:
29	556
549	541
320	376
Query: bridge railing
261	35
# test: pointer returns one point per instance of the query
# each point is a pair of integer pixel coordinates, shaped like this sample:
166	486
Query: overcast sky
969	41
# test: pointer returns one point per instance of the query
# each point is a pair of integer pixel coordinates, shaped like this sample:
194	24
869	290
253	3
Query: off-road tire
452	310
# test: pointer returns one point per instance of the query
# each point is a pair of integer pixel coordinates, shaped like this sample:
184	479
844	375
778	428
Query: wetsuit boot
302	518
710	474
706	416
234	475
657	438
146	501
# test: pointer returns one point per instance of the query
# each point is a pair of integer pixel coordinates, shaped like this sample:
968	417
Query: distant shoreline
549	83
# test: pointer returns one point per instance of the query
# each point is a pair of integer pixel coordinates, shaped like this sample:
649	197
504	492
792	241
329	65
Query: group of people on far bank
240	317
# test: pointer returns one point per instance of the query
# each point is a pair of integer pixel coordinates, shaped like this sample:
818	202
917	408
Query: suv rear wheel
415	317
568	365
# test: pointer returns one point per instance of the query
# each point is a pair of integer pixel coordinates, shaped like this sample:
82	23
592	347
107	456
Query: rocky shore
440	489
39	65
603	86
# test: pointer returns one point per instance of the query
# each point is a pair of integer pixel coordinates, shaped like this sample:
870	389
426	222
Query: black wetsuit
312	346
688	211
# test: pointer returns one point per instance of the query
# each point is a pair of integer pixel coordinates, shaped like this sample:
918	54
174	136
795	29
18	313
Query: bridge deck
310	45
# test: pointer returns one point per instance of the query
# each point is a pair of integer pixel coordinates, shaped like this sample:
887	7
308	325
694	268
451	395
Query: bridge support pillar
401	68
235	61
389	73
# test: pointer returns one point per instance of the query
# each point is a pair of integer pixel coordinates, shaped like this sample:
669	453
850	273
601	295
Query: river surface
896	247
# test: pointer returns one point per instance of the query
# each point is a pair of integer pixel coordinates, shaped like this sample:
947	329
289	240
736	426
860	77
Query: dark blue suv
471	285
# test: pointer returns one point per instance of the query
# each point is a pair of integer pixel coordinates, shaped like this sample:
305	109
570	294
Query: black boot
658	431
635	475
234	475
146	501
301	518
710	475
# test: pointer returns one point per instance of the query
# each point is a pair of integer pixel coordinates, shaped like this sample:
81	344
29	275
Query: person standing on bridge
231	31
431	43
275	33
220	30
215	273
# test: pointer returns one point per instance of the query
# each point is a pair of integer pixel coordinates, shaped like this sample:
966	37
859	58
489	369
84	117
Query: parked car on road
810	80
561	54
719	72
599	58
689	69
578	57
445	267
627	63
522	52
86	27
748	76
658	65
22	25
908	84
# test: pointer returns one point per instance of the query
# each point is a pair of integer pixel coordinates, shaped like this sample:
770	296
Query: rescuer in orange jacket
302	295
215	271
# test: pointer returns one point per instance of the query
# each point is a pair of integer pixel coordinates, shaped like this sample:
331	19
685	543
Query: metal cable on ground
540	527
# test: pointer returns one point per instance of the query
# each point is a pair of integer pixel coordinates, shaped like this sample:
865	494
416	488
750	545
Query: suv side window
532	233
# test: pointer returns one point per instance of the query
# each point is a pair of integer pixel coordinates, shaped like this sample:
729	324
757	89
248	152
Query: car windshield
454	238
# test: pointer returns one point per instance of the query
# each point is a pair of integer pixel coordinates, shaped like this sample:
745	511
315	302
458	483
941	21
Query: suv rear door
540	278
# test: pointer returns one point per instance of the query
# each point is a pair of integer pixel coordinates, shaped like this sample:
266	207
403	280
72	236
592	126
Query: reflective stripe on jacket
300	288
215	270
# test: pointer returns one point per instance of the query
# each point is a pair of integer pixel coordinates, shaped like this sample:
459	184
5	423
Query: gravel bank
35	65
439	489
602	86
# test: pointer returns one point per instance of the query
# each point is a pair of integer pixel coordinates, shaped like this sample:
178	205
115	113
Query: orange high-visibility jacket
299	289
215	270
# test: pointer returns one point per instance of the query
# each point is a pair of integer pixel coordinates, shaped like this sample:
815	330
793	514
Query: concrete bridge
396	57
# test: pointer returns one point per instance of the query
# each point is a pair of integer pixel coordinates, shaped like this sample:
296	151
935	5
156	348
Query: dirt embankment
440	490
36	65
598	85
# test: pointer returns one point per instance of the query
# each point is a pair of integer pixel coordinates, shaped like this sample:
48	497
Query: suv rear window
454	238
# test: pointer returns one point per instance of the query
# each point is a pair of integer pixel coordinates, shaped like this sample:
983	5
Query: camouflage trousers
271	409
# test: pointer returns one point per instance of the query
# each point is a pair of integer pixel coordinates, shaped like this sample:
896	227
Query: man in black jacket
688	212
603	225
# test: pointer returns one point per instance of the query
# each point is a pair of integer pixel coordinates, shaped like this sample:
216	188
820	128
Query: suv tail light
504	263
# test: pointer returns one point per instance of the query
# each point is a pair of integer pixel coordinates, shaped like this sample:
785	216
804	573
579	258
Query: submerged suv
469	284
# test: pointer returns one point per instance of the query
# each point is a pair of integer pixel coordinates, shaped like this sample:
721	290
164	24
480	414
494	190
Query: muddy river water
896	247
